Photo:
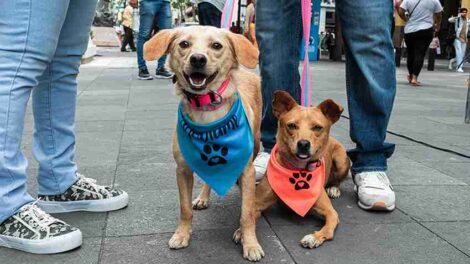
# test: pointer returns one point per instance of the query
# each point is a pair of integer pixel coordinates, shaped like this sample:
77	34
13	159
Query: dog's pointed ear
331	110
282	103
245	53
159	44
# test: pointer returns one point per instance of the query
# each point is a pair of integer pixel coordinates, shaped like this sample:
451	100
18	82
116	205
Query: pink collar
210	101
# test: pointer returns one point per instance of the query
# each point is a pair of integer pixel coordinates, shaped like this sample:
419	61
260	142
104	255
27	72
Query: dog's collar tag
219	151
207	102
298	189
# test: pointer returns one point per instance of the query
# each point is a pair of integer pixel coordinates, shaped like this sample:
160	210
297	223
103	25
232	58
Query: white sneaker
451	62
374	191
460	70
261	163
34	231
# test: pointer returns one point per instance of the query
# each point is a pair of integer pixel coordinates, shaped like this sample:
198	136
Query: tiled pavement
124	129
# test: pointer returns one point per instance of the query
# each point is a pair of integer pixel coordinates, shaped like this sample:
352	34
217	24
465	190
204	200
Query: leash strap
305	96
227	14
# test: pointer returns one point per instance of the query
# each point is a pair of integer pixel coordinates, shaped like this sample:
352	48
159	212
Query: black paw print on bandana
214	154
300	180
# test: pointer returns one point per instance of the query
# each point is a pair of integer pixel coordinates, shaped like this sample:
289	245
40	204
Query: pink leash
305	96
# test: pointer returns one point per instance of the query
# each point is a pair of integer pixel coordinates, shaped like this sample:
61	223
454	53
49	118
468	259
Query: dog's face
201	57
303	131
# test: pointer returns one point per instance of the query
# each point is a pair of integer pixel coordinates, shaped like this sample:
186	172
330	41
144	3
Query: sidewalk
124	129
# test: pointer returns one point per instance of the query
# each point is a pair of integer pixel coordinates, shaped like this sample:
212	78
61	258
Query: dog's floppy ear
331	110
158	45
245	52
282	103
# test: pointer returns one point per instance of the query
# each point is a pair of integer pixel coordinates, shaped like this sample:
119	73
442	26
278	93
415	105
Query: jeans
417	43
41	44
370	71
208	14
460	48
152	13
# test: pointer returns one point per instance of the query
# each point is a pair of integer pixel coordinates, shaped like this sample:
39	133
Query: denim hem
64	186
368	169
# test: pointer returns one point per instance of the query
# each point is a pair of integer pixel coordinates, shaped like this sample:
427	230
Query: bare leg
202	200
324	208
184	178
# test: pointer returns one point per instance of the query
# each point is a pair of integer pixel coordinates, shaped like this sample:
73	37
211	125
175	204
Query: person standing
370	75
41	45
419	31
460	42
210	12
127	23
150	11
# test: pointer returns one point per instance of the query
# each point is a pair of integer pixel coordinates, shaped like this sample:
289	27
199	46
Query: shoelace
43	220
377	180
92	183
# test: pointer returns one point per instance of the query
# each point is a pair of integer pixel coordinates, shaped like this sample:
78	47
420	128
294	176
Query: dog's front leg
324	208
202	200
251	248
184	178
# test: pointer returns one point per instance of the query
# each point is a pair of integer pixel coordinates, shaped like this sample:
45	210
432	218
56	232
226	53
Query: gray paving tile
97	148
95	112
210	247
91	224
99	126
375	243
147	176
456	233
88	253
425	154
147	139
434	203
145	155
460	171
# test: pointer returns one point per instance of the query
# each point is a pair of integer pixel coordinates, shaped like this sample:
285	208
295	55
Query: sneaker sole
163	77
145	78
102	205
52	245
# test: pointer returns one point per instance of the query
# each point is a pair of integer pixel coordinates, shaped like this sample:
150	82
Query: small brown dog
205	60
303	137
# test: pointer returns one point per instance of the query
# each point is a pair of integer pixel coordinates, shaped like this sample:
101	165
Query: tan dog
202	58
303	134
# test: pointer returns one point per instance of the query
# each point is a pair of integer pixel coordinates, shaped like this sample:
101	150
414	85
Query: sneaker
261	163
374	191
34	231
162	73
451	62
85	195
144	74
460	70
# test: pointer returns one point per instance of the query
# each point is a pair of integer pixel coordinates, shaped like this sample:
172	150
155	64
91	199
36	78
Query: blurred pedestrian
41	45
461	24
210	12
127	23
419	31
370	75
150	11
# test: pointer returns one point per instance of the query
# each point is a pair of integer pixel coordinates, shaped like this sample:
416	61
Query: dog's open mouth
302	156
198	80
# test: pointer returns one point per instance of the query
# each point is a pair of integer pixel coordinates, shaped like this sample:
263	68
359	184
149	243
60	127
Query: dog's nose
303	145
198	60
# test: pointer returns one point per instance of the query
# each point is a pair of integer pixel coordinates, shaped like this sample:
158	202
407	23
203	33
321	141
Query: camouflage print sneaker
34	231
85	195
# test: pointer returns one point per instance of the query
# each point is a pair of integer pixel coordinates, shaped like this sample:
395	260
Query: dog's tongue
197	79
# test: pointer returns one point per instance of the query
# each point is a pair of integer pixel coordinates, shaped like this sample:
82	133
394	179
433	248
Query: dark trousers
128	39
208	15
417	43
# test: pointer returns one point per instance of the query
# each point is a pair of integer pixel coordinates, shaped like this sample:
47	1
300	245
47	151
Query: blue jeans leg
370	79
149	10
28	38
54	102
278	32
208	14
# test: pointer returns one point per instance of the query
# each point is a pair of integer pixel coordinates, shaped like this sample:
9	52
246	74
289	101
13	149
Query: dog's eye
216	45
292	126
184	44
317	128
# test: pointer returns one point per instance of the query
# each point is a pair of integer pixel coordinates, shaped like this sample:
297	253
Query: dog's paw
310	241
178	241
237	236
200	203
253	252
333	192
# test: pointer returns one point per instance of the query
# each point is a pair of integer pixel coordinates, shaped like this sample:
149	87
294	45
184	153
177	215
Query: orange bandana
298	189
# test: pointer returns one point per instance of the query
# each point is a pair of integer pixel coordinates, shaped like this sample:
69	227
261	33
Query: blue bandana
217	151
